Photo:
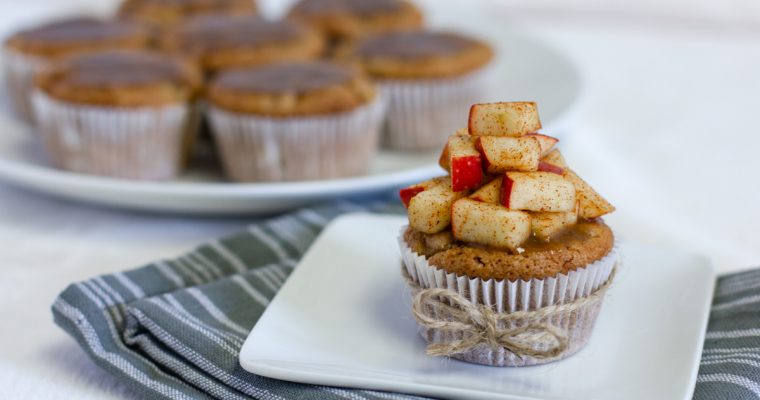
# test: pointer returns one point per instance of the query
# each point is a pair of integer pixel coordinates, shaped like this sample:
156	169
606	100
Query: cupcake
429	78
30	51
345	20
222	41
124	114
167	13
294	121
508	258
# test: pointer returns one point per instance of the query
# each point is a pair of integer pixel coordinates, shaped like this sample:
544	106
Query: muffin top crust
80	34
225	41
421	54
584	243
166	13
294	88
348	19
121	78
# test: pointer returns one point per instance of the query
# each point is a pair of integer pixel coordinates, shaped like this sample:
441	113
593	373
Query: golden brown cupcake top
121	78
77	35
345	19
421	54
289	89
224	41
166	13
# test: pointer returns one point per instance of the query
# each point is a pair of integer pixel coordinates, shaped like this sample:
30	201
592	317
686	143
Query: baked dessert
514	231
31	50
126	114
346	20
294	121
429	79
167	13
223	41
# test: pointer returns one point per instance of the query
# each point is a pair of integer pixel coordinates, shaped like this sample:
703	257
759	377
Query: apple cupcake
429	78
124	114
294	121
223	42
32	50
167	13
508	257
344	21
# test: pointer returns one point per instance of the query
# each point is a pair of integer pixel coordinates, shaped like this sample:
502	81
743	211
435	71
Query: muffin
31	51
294	121
346	20
429	79
167	13
125	114
223	42
507	257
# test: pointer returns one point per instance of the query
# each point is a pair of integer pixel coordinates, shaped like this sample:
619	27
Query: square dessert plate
343	319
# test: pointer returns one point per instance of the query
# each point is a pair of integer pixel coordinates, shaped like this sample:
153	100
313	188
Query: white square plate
343	319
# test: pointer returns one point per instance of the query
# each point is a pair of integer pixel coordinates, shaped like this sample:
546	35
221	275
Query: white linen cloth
667	129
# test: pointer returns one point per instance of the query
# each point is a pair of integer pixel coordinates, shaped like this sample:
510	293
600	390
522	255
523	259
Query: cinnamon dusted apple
511	209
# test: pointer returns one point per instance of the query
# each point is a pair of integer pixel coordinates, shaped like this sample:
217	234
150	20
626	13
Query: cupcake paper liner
260	148
19	70
146	143
423	113
509	296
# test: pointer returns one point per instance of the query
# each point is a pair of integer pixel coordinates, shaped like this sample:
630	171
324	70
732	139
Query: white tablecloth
666	129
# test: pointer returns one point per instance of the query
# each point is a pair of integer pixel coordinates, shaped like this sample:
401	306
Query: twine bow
449	312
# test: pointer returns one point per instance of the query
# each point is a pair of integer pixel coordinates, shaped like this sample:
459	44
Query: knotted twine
449	312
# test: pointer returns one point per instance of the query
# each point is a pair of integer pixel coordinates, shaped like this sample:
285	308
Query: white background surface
667	130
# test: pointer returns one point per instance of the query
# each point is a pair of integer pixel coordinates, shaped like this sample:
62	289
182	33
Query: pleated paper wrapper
423	113
510	296
144	143
257	148
19	70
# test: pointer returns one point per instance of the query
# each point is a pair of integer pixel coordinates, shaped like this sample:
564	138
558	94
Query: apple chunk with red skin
407	193
489	193
546	166
537	191
503	119
590	203
546	225
545	141
430	210
501	153
464	161
443	159
555	157
489	224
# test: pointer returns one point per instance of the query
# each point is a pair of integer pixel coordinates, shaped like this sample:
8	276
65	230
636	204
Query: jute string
447	311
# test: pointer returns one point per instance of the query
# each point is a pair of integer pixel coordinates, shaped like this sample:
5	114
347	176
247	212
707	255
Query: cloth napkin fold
173	329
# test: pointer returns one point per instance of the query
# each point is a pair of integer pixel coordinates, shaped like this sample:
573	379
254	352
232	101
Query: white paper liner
19	70
509	296
423	113
268	149
146	143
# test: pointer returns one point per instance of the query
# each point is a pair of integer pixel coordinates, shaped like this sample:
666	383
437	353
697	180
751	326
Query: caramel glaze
225	31
79	29
357	7
414	44
291	77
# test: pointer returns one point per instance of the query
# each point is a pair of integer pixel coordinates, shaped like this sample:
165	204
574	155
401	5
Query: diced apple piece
546	142
406	194
546	225
503	119
443	160
464	160
590	203
537	191
501	153
546	166
430	210
489	224
488	193
556	158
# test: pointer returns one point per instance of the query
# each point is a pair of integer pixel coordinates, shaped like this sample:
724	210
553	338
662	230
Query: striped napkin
173	329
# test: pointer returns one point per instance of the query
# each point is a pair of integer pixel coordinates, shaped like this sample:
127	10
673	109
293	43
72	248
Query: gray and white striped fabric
173	329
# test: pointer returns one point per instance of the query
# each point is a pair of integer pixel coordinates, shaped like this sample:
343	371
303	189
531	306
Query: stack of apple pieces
506	182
